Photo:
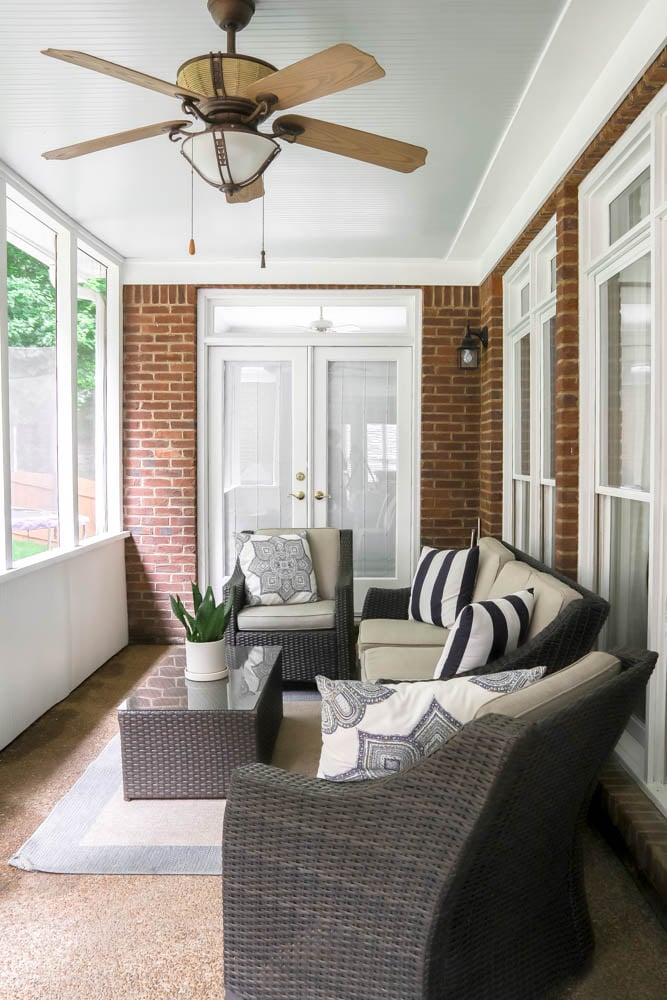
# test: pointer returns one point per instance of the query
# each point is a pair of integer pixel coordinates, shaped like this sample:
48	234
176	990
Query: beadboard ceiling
485	85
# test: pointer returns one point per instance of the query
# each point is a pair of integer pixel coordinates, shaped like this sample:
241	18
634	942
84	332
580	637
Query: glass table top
166	686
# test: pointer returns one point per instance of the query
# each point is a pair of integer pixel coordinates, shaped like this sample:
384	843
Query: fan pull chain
191	245
263	253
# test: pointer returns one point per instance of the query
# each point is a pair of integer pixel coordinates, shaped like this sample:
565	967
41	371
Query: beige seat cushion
551	596
492	557
556	690
324	544
396	664
276	617
399	632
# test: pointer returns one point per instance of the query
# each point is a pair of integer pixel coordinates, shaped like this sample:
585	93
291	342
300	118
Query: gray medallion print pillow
278	569
372	730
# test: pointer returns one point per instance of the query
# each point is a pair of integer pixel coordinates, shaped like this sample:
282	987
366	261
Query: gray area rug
94	831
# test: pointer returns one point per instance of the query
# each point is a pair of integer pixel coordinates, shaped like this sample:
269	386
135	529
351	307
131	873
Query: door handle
321	496
297	496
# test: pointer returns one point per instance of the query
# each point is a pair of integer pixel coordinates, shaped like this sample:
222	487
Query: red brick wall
562	202
159	435
159	454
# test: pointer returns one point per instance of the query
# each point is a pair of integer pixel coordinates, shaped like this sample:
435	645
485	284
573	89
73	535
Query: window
91	320
33	421
55	416
529	461
623	208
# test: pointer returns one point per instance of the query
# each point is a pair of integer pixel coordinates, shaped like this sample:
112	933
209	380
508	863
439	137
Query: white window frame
69	238
532	266
642	747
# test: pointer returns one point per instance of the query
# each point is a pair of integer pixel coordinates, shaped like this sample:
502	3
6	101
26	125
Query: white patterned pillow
372	730
484	631
443	584
278	569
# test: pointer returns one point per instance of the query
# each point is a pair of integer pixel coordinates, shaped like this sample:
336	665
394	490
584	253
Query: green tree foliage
31	307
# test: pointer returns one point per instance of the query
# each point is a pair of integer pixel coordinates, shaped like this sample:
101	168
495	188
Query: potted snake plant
204	633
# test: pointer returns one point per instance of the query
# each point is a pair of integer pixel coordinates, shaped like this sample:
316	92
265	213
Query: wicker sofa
566	620
458	879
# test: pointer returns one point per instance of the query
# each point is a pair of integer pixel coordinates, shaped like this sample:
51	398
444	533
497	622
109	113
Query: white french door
307	436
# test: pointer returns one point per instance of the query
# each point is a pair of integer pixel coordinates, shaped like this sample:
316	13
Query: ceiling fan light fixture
231	156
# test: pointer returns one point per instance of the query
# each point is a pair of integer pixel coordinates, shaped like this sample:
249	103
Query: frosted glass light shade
229	157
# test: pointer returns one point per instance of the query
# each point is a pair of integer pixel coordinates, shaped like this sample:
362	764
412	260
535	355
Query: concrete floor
111	937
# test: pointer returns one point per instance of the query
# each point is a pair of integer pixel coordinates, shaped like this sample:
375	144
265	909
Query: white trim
361	271
532	268
6	492
36	563
32	199
639	48
66	385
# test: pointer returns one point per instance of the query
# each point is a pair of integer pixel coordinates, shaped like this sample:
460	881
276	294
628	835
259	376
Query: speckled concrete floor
111	937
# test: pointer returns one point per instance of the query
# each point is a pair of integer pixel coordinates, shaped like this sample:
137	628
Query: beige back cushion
554	691
492	557
324	546
551	596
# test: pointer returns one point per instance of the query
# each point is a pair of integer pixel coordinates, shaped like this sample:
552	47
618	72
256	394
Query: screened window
57	425
33	412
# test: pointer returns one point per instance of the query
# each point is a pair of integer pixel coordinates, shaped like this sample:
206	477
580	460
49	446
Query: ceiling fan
233	94
322	325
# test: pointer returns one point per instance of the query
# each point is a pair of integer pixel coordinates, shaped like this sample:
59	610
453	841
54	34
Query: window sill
44	559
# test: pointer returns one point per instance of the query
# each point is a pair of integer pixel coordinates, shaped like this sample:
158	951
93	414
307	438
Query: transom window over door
529	412
310	427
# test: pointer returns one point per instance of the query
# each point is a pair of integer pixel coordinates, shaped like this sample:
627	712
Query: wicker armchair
567	638
458	879
308	651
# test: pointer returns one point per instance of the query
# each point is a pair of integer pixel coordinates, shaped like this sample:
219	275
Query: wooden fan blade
120	72
366	146
247	193
108	141
338	68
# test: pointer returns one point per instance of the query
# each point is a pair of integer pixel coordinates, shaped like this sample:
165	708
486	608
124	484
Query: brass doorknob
297	496
322	496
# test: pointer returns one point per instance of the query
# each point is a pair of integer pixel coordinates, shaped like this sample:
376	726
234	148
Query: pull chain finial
191	244
263	253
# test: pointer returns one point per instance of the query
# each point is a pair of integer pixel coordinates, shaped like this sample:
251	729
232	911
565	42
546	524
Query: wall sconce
467	355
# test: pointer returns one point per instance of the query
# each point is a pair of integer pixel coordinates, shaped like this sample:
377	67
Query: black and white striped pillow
484	631
443	584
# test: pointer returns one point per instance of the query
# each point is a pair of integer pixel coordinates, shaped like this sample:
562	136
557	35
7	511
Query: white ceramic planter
205	661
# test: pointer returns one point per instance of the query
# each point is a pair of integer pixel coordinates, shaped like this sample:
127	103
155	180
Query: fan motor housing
235	14
222	74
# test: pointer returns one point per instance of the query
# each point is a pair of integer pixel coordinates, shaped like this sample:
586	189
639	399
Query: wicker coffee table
181	739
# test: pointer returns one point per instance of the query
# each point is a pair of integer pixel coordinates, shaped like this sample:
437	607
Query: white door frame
209	299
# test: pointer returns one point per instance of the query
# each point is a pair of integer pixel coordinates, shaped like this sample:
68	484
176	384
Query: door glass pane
90	412
631	206
625	311
522	407
548	398
257	449
31	315
362	460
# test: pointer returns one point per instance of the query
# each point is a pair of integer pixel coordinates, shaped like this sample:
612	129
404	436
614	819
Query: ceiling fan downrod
231	16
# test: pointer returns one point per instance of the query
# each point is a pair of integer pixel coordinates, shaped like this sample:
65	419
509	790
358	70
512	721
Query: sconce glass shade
467	355
229	157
